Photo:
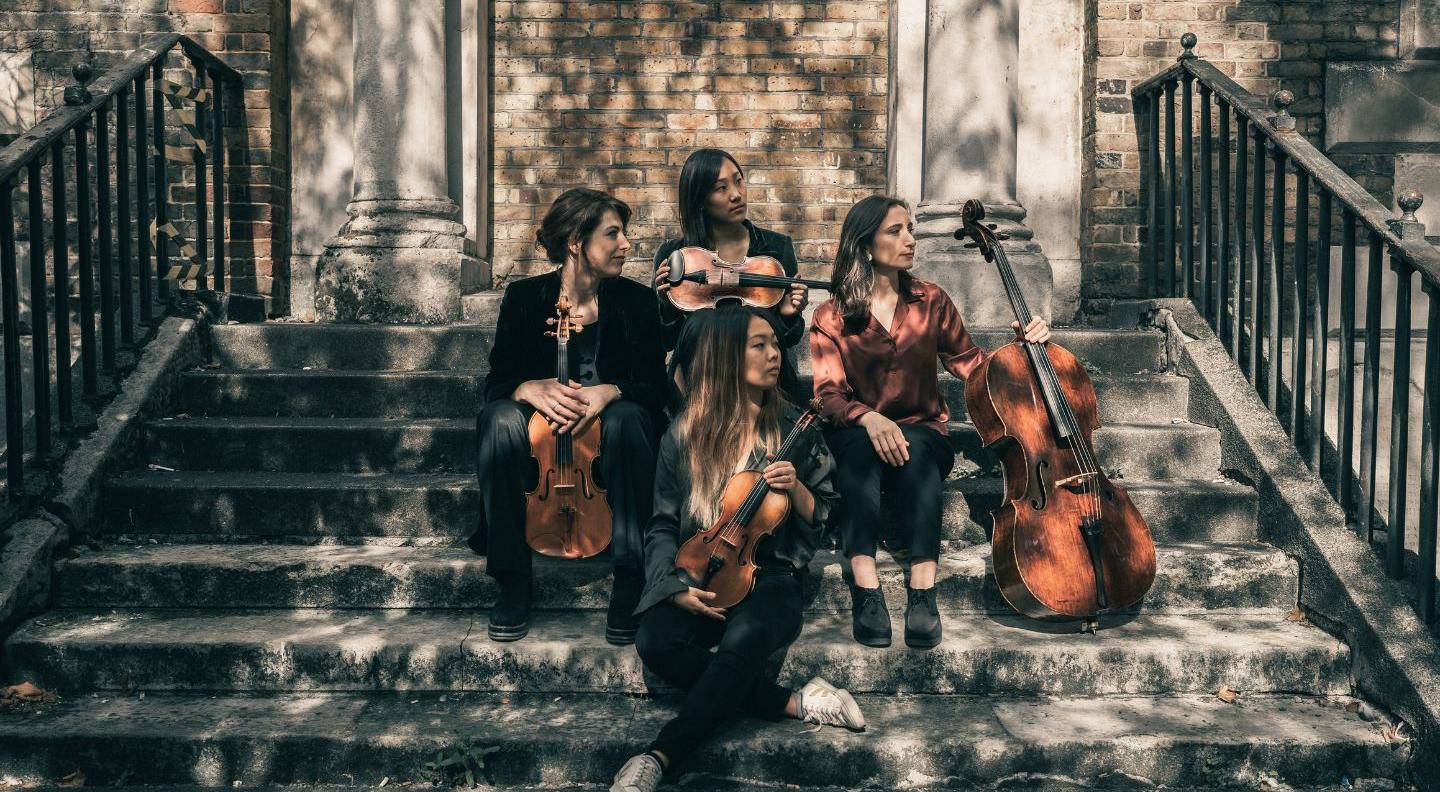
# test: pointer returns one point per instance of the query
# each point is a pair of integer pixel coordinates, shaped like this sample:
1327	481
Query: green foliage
463	760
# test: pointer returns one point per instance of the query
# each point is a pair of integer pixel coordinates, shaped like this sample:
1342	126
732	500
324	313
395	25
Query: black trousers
629	438
676	645
915	488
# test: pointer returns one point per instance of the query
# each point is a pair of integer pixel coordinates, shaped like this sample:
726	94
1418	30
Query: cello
721	558
1067	543
567	514
699	278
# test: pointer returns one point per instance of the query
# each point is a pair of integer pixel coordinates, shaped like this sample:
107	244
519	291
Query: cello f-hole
1038	485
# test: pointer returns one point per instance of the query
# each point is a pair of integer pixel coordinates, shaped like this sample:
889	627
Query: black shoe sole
507	633
878	643
922	641
617	636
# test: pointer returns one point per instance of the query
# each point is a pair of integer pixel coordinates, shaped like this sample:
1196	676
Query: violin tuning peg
992	226
971	245
1002	236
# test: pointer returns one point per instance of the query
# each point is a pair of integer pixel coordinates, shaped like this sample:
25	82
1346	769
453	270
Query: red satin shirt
892	371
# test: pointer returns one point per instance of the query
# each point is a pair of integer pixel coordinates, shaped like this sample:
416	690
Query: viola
699	278
721	559
1067	542
567	514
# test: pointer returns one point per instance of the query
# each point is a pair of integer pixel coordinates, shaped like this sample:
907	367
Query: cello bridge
1076	482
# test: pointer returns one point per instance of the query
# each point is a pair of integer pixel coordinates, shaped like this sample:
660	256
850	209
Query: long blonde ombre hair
714	426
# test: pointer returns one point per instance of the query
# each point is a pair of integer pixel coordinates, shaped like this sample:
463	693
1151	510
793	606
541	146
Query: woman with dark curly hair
617	375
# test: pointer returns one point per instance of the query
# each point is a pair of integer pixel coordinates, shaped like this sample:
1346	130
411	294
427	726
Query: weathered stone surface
378	445
290	345
911	741
1382	106
444	505
566	652
27	549
1190	577
361	394
382	283
1345	584
456	394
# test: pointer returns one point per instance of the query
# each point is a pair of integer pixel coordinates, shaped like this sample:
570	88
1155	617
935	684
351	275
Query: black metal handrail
136	258
1252	291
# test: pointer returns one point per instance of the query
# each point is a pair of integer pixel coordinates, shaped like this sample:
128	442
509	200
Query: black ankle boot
922	619
870	618
510	615
620	622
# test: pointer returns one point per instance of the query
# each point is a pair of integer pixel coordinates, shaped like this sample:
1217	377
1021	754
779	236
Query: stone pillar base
972	282
399	261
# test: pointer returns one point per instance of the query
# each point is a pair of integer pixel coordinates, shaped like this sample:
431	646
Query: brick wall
615	95
58	33
1265	45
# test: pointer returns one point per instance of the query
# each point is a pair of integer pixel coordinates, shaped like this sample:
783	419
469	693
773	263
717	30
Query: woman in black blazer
617	369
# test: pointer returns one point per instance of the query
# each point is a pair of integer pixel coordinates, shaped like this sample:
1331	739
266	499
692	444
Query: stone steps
1189	578
376	445
254	650
287	345
541	740
1138	398
274	505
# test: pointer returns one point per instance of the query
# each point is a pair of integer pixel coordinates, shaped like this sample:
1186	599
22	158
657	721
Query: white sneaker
641	774
828	705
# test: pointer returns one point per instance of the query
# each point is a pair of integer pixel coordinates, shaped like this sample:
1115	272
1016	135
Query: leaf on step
1226	695
1295	615
25	691
384	781
75	779
1353	708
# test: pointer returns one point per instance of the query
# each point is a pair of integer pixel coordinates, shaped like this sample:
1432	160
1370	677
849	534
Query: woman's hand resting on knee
890	443
694	601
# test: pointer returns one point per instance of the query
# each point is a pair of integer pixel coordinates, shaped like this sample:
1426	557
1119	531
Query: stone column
969	150
400	256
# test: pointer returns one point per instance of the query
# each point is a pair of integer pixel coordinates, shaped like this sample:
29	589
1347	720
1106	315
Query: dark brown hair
574	215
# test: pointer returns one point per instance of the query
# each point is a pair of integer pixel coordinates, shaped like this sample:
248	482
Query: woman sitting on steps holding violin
734	420
713	205
616	375
874	346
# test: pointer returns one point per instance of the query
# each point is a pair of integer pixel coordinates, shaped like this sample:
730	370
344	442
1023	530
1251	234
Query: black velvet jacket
628	354
790	548
763	242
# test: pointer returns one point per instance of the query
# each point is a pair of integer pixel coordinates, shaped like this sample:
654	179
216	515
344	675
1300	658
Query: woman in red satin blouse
874	345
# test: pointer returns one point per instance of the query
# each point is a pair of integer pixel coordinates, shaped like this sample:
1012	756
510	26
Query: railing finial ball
1410	201
1188	41
1282	121
78	94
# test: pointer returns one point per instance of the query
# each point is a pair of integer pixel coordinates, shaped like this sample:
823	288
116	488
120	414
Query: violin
567	514
699	278
721	559
1067	542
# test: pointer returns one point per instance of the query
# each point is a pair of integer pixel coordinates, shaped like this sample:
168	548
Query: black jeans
676	645
915	488
629	439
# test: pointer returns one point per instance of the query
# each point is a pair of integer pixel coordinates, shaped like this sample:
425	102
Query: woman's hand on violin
781	476
597	398
890	443
661	273
795	300
1037	332
697	601
562	405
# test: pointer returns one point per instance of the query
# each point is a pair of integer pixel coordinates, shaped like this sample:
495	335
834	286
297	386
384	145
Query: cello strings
1078	448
